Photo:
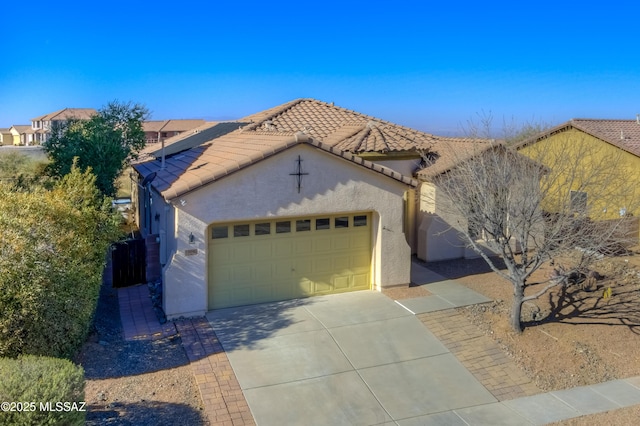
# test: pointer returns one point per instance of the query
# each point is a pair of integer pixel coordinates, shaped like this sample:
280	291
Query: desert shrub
14	164
31	380
53	245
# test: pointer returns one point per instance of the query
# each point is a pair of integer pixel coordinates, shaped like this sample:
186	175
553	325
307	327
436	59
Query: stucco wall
438	236
185	276
578	161
267	189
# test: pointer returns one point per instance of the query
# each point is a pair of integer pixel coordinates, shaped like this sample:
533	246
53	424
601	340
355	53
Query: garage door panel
360	281
282	247
322	244
262	292
341	282
262	250
241	252
322	266
242	274
322	287
341	264
303	247
341	242
304	287
285	262
360	260
303	267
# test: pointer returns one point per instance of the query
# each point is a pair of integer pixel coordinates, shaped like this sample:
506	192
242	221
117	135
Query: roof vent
301	137
638	118
268	125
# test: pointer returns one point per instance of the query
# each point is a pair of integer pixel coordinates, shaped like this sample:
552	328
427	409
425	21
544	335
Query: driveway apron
347	359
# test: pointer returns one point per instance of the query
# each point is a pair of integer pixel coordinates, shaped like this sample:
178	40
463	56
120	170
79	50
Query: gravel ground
136	382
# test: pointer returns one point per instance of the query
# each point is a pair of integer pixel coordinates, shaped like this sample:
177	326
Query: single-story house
22	134
6	138
159	130
303	199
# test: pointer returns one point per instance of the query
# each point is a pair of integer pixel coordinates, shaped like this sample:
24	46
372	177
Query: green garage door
280	259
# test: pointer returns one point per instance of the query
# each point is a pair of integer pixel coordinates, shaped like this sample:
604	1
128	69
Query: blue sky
431	65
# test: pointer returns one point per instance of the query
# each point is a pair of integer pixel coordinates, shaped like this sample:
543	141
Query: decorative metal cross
299	173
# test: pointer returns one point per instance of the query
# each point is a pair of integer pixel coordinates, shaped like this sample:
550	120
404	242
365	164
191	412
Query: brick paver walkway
479	354
220	391
139	321
221	394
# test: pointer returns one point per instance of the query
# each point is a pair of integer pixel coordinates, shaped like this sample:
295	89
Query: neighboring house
41	126
610	144
6	138
299	200
22	134
159	130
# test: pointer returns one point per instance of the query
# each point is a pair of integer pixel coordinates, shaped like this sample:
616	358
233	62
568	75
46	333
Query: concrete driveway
349	359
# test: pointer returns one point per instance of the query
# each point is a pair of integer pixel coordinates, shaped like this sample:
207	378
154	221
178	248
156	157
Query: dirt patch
576	336
136	382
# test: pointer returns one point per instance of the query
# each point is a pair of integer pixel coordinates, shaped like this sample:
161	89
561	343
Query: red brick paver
479	354
223	400
139	321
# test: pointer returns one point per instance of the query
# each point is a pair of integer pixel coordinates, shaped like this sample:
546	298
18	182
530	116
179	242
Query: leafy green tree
107	143
53	245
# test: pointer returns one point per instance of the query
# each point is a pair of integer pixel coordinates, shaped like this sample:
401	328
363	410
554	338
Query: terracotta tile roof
232	152
624	134
67	113
345	129
336	130
450	153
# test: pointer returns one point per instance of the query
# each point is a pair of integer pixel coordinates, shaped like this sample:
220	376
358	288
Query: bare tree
550	204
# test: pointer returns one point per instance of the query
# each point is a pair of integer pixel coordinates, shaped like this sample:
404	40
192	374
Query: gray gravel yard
136	382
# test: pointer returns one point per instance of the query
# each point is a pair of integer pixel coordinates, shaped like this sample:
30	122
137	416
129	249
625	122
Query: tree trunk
516	308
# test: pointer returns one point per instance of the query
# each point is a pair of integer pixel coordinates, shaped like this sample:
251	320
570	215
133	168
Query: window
360	220
303	225
283	227
220	232
323	223
578	202
263	228
341	222
240	230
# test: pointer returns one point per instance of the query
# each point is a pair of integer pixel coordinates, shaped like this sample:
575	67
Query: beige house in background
22	134
6	138
159	130
41	126
299	200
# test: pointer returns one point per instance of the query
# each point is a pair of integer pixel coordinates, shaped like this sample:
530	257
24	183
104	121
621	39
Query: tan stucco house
159	130
303	199
41	126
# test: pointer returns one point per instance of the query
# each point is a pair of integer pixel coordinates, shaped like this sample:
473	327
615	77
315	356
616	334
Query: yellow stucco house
6	138
597	165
